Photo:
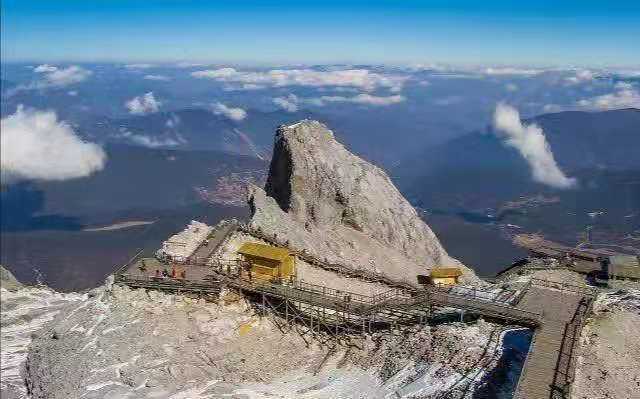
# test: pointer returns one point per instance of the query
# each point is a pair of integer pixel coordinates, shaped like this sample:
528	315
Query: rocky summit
322	198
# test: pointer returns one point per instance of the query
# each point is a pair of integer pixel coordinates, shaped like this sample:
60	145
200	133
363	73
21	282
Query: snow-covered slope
129	343
25	310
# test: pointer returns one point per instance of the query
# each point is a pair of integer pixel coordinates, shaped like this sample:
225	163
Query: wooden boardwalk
395	306
548	369
555	311
213	242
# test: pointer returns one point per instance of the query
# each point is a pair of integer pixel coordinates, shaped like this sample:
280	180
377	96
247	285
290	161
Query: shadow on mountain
20	205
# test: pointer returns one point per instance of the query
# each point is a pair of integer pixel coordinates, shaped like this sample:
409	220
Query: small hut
445	275
621	267
267	262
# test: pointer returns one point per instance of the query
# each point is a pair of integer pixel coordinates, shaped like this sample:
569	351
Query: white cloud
173	121
552	108
72	93
365	99
532	144
628	73
511	87
150	141
139	66
189	65
624	97
60	77
161	78
292	103
224	74
360	78
289	103
511	71
45	68
235	114
244	87
52	77
429	67
37	146
67	76
623	86
457	75
145	104
582	76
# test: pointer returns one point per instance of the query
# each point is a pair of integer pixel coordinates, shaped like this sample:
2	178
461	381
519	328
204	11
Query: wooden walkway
548	370
555	311
213	242
391	307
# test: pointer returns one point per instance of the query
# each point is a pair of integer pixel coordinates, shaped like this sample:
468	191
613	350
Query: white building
182	245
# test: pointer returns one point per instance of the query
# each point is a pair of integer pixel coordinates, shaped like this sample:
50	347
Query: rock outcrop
608	361
8	280
122	343
24	311
322	198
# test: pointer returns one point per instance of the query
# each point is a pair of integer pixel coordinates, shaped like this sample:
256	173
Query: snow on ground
24	312
180	246
348	381
136	344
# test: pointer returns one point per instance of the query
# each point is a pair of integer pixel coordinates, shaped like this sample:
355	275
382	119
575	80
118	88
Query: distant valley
474	192
478	179
44	225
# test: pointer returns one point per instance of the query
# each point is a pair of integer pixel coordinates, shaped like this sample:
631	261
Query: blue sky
480	32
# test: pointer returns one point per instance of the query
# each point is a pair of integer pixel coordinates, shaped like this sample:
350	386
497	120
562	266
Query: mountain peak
326	200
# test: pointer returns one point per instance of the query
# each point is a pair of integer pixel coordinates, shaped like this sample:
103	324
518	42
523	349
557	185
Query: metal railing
490	309
131	261
467	298
565	365
334	293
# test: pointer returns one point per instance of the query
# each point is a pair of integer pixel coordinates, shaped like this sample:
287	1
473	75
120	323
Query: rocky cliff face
322	198
24	310
8	280
122	343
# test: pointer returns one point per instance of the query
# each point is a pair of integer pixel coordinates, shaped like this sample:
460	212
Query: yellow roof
444	272
264	251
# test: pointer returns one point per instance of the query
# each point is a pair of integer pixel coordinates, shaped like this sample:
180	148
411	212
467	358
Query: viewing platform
556	312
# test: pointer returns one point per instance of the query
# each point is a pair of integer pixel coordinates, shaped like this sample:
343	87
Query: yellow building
268	262
445	275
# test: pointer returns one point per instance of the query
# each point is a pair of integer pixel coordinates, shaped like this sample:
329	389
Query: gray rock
8	281
322	198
